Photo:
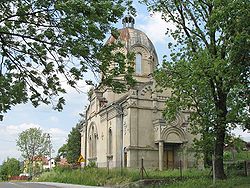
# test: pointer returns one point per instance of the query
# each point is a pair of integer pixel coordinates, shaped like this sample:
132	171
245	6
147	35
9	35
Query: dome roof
135	40
134	37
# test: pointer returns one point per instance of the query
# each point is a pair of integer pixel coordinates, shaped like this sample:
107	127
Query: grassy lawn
96	176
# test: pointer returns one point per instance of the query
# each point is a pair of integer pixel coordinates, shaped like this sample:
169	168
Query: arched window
138	63
90	147
92	142
94	145
110	142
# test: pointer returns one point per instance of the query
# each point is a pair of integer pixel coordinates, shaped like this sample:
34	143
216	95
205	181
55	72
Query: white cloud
81	86
14	130
155	27
9	135
54	119
245	135
9	151
57	134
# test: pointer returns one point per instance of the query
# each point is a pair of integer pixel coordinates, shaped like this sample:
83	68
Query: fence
143	166
240	168
147	168
148	164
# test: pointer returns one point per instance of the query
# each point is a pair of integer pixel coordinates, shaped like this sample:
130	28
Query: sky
59	124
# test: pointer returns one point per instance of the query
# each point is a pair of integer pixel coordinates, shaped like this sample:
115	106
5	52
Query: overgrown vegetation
90	176
243	155
235	182
104	177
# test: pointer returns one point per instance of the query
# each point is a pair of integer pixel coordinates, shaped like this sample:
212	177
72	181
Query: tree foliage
33	143
72	149
62	151
10	167
74	144
44	42
209	67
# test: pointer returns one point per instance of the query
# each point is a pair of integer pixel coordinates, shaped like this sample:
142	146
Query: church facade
122	129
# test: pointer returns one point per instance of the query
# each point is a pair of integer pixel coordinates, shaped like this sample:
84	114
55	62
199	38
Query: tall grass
91	176
101	176
235	182
191	178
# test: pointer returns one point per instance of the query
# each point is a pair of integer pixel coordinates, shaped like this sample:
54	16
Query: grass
90	176
235	182
192	178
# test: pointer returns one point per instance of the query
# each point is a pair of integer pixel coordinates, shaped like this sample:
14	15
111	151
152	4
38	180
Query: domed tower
122	128
137	42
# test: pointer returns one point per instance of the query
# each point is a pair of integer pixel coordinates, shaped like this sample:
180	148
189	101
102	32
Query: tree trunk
219	147
220	132
220	101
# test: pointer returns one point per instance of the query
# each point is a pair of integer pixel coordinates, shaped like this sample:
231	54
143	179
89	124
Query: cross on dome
128	21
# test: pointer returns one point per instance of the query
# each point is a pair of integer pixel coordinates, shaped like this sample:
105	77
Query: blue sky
59	124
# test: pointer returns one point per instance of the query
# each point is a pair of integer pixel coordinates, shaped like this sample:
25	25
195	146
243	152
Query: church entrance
170	159
170	147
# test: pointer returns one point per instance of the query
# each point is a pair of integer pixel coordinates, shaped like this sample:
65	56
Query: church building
121	129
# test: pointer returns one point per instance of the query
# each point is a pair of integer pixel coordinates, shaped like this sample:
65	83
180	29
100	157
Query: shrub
91	164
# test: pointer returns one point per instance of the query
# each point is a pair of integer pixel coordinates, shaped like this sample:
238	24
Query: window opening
138	63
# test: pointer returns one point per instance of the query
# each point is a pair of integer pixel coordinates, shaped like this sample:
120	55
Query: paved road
40	185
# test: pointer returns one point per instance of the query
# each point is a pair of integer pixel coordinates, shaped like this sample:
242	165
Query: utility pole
49	143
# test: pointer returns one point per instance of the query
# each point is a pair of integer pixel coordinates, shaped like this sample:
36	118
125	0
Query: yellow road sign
81	159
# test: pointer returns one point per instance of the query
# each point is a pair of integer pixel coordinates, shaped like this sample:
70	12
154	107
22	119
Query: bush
91	164
62	169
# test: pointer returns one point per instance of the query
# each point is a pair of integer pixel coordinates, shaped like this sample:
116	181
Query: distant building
40	163
49	164
62	162
122	129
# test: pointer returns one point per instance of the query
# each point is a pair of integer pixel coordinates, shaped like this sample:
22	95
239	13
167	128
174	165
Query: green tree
236	143
43	40
72	149
74	144
10	167
209	66
62	151
33	143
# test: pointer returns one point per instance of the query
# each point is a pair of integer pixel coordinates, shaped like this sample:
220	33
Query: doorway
169	157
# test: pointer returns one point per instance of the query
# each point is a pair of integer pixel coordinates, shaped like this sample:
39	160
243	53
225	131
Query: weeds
192	178
90	176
